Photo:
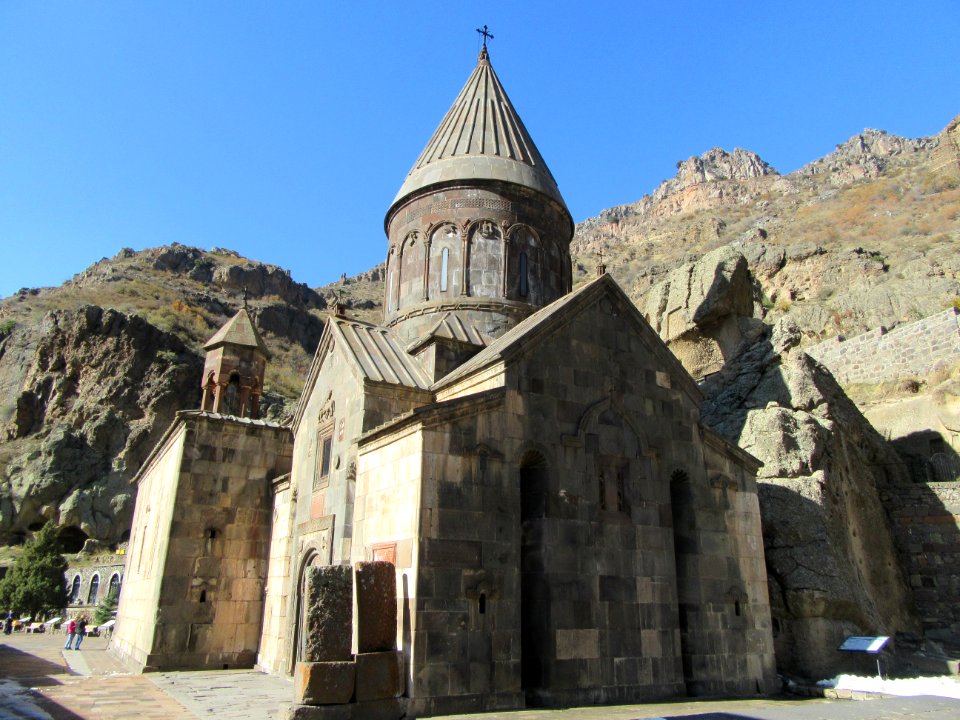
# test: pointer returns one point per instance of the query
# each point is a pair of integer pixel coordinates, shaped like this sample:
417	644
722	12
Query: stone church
529	457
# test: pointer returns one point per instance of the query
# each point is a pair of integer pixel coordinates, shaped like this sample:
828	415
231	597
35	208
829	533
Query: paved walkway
41	681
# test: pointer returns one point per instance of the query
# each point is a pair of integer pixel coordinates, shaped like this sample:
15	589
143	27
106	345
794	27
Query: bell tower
478	232
233	370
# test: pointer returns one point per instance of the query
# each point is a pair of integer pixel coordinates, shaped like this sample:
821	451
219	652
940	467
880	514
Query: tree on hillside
105	609
35	583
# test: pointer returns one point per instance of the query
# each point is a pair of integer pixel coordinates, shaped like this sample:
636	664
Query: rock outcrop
864	156
831	561
704	309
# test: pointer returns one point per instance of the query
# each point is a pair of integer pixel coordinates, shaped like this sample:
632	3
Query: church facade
529	457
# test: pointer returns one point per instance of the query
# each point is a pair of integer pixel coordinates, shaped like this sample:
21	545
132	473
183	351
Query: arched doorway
535	637
298	639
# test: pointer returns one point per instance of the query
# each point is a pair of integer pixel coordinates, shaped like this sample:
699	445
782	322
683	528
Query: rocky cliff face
85	395
831	560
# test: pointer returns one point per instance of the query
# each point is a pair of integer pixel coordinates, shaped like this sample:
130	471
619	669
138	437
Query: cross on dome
487	35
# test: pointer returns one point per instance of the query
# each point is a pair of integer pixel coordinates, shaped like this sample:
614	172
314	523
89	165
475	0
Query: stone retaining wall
926	525
913	350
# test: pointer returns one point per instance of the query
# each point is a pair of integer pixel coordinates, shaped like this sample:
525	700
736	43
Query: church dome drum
479	228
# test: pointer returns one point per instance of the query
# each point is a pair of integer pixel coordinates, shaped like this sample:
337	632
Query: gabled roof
239	330
374	354
378	356
481	138
450	327
542	323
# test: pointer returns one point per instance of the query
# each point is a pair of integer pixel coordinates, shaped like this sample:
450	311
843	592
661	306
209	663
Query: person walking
81	632
8	623
71	631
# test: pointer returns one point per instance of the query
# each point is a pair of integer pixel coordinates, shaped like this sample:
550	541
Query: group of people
76	630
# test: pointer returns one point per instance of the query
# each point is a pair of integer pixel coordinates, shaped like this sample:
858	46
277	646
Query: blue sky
283	130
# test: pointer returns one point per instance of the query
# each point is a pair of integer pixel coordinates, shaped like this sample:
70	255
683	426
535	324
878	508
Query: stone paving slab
41	681
887	708
226	694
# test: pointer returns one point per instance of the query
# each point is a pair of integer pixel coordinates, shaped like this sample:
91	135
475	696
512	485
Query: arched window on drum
445	271
524	267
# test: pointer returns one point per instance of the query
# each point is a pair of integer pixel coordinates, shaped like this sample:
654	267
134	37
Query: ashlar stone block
329	618
324	683
379	675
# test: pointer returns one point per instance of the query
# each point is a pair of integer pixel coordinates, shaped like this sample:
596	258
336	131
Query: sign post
871	645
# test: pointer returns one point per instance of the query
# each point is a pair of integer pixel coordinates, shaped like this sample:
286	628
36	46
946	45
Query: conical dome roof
239	330
481	138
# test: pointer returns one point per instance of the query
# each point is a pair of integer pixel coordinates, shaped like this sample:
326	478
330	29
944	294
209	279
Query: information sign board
866	644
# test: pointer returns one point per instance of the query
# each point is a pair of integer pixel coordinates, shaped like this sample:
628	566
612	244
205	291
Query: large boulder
704	309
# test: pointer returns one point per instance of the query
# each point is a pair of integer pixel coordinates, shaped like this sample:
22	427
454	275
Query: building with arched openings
530	457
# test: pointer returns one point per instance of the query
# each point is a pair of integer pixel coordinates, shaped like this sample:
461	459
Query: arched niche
75	590
524	265
618	459
410	271
94	589
486	250
554	272
311	556
536	638
390	290
114	587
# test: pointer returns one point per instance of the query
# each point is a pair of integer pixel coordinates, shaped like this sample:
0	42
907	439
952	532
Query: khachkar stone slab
329	618
376	607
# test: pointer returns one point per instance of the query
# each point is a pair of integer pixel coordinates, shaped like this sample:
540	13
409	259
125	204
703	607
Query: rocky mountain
92	372
860	238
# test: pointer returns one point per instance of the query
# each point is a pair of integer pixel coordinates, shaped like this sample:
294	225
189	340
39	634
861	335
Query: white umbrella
53	621
107	624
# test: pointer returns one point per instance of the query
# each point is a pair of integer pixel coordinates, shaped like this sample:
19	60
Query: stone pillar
328	625
376	606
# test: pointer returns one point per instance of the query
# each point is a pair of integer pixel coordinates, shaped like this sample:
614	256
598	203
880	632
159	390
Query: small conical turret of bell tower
234	367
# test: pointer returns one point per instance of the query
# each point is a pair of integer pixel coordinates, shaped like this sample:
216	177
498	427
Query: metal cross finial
487	35
244	297
601	268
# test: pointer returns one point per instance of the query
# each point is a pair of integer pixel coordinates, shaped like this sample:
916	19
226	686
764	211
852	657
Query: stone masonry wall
912	350
926	525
